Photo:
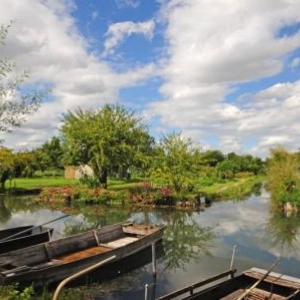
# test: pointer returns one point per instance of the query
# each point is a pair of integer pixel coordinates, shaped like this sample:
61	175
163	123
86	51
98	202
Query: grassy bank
234	188
135	192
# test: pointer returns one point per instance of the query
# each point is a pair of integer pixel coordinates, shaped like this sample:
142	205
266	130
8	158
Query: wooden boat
53	261
252	284
24	236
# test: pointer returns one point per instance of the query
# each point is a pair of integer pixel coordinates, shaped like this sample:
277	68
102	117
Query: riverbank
135	192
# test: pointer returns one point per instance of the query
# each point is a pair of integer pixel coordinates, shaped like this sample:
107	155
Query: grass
234	187
38	183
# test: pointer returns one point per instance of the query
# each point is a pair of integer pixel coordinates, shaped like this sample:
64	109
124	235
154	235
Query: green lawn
36	183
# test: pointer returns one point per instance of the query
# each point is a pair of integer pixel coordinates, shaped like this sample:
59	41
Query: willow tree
106	139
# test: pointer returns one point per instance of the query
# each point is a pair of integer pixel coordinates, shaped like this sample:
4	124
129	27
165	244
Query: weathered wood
255	294
275	278
274	287
20	237
196	285
52	261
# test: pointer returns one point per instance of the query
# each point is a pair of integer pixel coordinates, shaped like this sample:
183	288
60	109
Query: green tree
283	176
50	154
7	158
105	139
176	162
14	104
212	157
25	164
227	168
246	163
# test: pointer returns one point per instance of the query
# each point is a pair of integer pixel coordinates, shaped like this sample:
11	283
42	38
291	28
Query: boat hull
29	236
51	262
254	283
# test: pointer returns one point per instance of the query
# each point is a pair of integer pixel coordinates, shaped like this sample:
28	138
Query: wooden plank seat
255	294
274	278
121	242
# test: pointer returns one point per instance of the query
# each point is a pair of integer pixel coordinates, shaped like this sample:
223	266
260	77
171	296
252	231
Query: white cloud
45	40
118	32
213	48
209	51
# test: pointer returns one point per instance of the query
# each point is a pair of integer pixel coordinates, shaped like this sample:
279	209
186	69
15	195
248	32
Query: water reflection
184	239
197	245
5	213
91	217
283	232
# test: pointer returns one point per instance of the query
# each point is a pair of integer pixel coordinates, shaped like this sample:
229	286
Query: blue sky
223	72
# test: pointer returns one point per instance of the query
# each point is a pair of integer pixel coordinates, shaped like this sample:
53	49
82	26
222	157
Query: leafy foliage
283	175
107	140
6	165
176	163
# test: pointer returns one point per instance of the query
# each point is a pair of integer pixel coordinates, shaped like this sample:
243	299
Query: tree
212	157
51	154
227	168
175	162
6	165
283	176
105	139
14	104
25	164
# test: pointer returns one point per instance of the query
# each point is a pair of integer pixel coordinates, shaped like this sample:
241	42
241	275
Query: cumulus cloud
212	50
44	39
118	32
210	53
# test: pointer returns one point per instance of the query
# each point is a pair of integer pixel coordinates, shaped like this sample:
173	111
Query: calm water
196	244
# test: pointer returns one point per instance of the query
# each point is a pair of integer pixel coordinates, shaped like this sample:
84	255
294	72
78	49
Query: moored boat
51	262
252	284
23	236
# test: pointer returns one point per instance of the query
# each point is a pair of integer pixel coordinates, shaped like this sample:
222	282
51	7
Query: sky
225	73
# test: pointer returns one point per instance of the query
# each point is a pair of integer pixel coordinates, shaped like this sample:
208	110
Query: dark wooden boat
253	284
53	261
24	236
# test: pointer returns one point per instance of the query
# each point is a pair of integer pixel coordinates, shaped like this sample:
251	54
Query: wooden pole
232	261
78	274
146	291
153	259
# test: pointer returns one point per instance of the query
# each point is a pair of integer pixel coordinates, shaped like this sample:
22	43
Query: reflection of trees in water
283	231
184	239
21	204
95	216
5	214
11	205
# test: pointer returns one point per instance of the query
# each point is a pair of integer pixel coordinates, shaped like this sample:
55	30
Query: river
197	244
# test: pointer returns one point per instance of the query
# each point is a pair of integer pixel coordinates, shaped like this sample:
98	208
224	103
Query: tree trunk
103	177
